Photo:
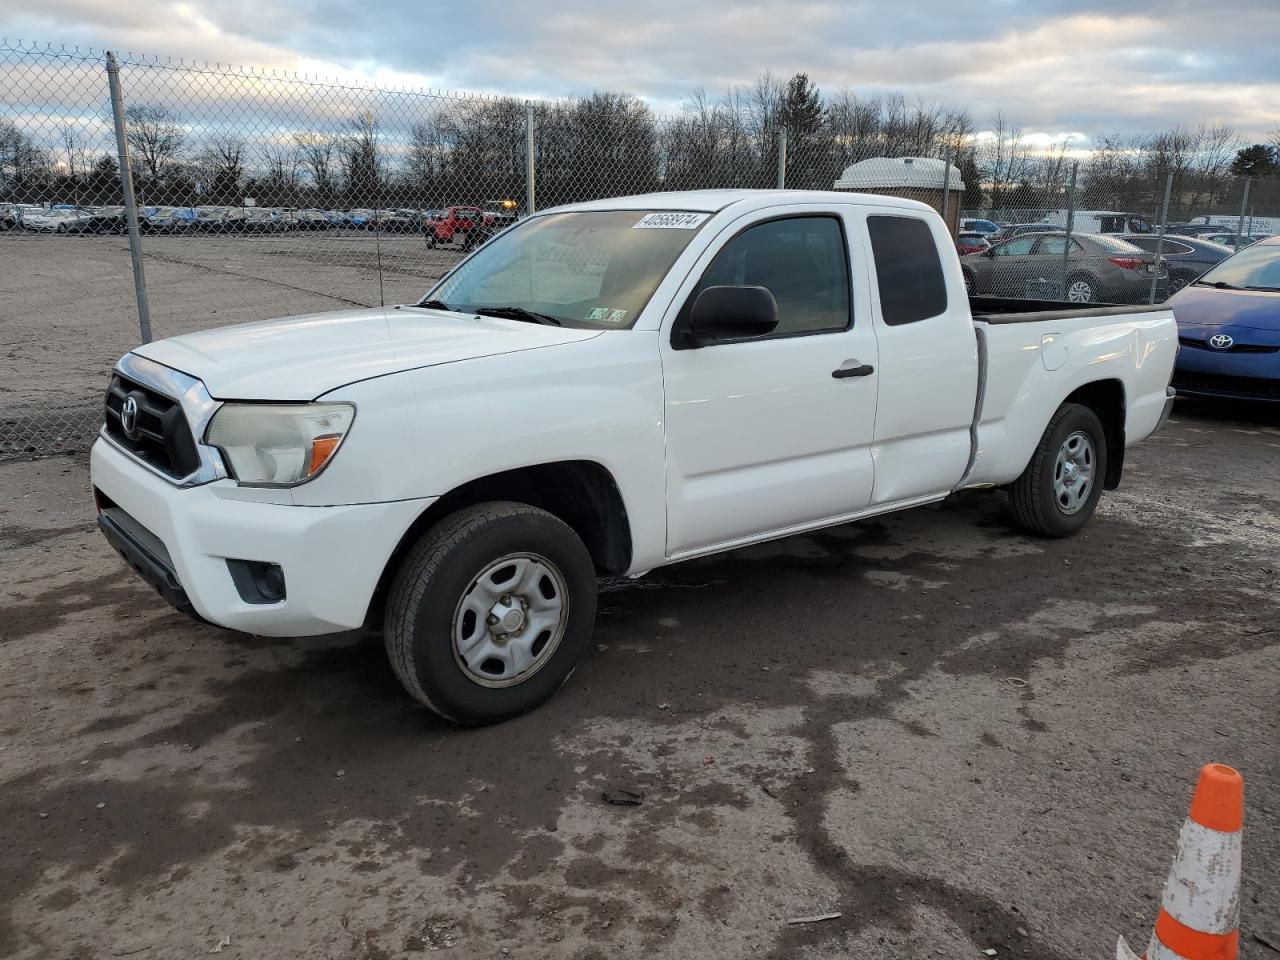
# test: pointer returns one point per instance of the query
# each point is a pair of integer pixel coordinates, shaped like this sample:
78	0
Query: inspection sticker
597	313
670	221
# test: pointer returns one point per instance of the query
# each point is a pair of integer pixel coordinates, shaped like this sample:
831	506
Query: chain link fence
260	194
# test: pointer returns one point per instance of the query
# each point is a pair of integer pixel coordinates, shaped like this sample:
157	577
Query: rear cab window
908	269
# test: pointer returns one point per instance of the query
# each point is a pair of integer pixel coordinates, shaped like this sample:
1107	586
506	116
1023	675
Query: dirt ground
956	737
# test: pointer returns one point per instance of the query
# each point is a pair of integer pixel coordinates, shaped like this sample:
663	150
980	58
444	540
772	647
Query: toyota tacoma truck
602	389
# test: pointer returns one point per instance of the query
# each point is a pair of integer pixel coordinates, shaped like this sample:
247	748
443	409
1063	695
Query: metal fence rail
141	195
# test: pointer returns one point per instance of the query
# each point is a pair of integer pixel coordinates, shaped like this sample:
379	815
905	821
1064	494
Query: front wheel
490	612
1059	490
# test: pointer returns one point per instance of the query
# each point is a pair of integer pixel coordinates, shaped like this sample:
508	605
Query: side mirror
731	313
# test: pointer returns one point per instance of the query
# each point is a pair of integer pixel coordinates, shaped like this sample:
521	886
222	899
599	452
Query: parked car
1187	257
700	312
1099	269
1235	241
359	219
1018	229
399	221
262	220
63	220
8	216
1099	221
987	228
1229	328
313	220
104	220
971	243
457	222
220	219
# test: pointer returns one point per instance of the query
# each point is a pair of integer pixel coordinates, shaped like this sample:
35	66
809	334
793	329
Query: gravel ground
956	737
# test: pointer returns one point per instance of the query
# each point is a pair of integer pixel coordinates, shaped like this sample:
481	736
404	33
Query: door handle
863	370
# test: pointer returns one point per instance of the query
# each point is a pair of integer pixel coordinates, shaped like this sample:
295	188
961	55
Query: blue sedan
1229	328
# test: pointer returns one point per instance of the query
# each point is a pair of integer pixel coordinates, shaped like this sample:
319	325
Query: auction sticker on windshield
670	221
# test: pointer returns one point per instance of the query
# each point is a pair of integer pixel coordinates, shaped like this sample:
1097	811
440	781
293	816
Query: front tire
490	612
1060	488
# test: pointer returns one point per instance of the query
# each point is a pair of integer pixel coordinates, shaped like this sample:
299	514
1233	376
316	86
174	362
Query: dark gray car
1099	268
1185	257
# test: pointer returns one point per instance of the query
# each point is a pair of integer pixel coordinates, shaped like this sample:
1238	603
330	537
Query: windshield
593	269
1254	268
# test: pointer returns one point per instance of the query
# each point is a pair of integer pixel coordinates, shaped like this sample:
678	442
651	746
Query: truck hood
301	358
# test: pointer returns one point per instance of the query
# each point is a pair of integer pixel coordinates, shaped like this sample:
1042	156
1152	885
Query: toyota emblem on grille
129	417
1220	341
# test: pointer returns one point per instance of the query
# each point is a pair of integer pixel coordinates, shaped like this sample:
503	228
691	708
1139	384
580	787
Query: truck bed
995	310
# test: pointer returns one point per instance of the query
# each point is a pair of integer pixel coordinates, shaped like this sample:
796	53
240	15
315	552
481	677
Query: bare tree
155	138
316	151
76	152
362	162
223	163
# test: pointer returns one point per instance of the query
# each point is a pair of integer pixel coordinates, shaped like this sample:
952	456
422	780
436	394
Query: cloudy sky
1055	67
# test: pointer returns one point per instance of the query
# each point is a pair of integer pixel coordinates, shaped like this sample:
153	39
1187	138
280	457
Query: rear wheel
490	612
1081	288
1059	490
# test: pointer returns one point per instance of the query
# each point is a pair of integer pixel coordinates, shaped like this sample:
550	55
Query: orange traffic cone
1200	913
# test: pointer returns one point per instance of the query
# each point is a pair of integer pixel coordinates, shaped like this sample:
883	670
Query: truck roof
713	201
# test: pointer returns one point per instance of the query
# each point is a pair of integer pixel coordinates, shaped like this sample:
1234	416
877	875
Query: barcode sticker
670	221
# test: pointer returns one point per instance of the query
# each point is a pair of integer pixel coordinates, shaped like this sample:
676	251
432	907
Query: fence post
946	191
1244	205
530	191
1164	219
782	158
1071	217
130	204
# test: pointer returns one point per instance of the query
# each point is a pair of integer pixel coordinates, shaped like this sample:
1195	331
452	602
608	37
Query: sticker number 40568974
670	221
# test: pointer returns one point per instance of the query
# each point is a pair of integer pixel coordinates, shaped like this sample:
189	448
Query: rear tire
1060	488
1082	288
490	612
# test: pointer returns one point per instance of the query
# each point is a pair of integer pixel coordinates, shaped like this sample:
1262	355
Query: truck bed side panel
1033	367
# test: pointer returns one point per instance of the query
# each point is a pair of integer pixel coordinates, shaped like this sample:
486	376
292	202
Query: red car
971	243
468	223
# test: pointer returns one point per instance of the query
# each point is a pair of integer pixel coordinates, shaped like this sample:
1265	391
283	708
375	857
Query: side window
908	270
1017	247
1056	246
804	263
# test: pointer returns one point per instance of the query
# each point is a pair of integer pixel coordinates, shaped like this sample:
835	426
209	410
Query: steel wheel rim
1073	472
510	620
1080	291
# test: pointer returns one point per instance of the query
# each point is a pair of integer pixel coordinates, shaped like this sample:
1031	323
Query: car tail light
1128	263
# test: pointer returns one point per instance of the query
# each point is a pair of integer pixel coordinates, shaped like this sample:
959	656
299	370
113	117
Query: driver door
772	433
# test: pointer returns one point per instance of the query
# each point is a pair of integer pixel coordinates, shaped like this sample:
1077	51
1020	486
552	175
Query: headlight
278	444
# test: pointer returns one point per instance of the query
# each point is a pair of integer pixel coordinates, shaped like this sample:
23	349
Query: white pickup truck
602	389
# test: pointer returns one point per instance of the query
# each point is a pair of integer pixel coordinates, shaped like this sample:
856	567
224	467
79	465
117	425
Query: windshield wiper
518	313
1217	284
433	305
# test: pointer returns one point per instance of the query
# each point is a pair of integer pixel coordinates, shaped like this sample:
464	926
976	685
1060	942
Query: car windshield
1254	268
594	269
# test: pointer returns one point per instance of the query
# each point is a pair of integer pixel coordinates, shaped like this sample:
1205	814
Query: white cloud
1051	65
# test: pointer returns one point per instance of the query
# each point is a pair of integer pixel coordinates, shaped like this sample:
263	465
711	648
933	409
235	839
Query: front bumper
180	539
1228	375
